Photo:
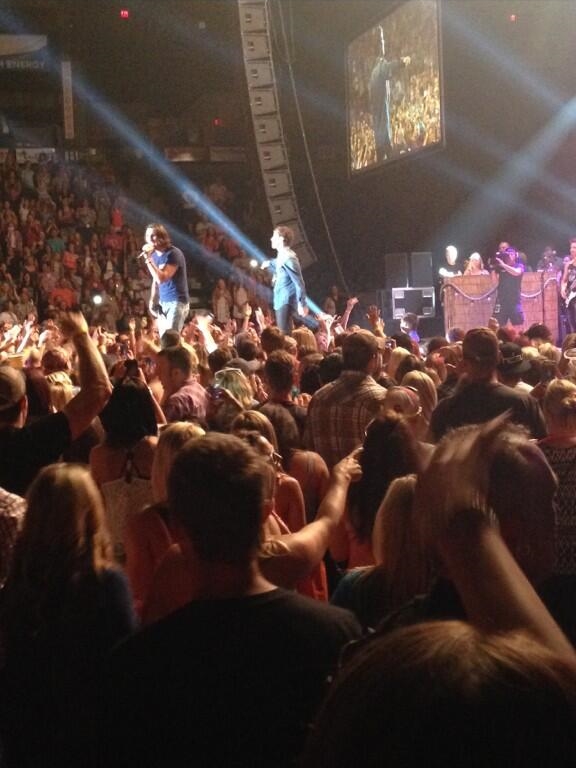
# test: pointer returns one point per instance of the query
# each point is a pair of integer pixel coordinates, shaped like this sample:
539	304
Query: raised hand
73	323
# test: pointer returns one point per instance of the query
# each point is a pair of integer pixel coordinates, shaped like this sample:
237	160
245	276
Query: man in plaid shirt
339	412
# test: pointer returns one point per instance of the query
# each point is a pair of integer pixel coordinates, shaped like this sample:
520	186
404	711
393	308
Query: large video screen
394	87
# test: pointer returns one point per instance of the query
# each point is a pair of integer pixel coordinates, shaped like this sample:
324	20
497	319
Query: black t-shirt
223	682
23	452
478	402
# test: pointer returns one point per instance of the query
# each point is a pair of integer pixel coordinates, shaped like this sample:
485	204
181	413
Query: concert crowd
236	545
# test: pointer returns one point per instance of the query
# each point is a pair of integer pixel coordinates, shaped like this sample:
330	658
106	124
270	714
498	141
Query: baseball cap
12	387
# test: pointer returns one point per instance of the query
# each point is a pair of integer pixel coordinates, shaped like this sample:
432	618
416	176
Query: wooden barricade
468	300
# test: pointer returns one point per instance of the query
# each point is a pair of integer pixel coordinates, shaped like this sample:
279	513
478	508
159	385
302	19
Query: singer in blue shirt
169	299
289	288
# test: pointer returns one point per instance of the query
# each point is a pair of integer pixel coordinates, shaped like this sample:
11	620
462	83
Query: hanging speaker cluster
267	123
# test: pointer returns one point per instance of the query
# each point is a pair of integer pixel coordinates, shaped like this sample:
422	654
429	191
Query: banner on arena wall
29	154
25	53
68	100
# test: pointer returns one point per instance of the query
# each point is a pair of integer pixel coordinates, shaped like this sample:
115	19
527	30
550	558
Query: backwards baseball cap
480	345
12	387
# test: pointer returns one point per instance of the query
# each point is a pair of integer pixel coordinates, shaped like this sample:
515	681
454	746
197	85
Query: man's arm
94	382
458	524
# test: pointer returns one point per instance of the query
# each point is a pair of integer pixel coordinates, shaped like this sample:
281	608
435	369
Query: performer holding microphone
169	300
289	288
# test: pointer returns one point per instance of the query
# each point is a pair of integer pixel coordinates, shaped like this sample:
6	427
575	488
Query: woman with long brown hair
62	609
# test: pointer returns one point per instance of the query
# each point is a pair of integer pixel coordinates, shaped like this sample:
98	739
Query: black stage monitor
420	301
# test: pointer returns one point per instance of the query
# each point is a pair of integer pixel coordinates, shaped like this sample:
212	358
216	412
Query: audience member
479	397
184	397
62	610
307	467
12	510
150	534
24	449
389	451
198	682
280	380
347	404
401	569
288	496
449	694
122	464
559	447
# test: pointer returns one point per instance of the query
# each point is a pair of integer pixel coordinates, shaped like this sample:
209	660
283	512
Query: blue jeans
284	315
172	317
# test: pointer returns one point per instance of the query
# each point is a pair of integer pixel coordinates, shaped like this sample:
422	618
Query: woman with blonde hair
230	394
423	384
150	534
56	368
396	357
566	365
401	568
550	352
305	340
475	265
63	608
405	401
559	447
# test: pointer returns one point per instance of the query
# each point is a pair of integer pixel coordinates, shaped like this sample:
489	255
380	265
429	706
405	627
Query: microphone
145	252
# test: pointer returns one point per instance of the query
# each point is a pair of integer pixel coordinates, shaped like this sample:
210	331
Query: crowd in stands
65	241
198	531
